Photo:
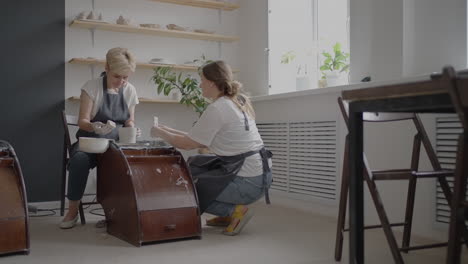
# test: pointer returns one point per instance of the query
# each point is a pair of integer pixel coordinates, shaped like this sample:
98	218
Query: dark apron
212	173
113	108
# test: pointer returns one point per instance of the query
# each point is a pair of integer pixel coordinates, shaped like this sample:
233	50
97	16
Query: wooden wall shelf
142	100
152	31
203	3
90	61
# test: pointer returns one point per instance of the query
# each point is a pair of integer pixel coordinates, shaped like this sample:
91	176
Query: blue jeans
79	165
241	190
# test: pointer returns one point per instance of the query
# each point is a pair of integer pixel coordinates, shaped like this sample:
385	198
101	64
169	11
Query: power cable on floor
34	211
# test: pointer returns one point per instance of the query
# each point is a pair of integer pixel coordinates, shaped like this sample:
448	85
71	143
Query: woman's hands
176	138
103	129
157	131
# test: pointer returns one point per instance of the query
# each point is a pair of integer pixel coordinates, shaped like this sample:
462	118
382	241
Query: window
298	32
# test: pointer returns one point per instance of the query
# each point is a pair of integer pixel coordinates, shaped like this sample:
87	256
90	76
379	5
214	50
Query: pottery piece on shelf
194	63
204	31
92	16
175	27
81	15
150	25
124	21
160	61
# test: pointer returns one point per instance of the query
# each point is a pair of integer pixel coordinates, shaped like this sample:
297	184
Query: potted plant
168	81
334	65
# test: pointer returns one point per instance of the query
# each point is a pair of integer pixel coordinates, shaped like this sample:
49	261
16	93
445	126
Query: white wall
253	60
376	39
433	30
390	39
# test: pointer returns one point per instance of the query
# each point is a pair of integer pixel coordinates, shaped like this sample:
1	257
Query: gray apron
113	108
212	173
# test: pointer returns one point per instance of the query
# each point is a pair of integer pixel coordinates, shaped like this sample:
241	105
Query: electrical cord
53	211
93	211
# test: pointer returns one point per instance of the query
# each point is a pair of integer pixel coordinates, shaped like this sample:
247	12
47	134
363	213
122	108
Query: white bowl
93	145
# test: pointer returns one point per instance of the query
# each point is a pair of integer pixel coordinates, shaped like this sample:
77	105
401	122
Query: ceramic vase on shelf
302	83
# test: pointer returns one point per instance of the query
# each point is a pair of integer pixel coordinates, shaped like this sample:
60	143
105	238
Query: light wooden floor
276	234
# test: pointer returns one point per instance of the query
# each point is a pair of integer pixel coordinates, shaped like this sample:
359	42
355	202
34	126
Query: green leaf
340	58
345	68
324	67
337	48
160	88
166	80
186	82
179	78
165	90
326	54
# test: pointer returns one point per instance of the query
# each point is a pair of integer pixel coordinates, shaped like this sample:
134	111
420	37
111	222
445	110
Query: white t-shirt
222	129
94	90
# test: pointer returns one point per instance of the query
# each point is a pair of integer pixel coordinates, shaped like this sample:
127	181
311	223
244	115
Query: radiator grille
447	131
304	156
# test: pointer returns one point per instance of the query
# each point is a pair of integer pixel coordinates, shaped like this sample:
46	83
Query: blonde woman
238	173
107	103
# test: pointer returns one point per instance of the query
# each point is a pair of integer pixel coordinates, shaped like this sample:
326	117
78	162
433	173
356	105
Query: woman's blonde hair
220	74
120	61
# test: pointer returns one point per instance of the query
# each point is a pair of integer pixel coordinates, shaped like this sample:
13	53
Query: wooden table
426	96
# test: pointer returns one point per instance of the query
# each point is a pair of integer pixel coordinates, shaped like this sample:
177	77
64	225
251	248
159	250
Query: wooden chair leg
411	193
385	222
459	191
82	216
448	196
343	206
409	213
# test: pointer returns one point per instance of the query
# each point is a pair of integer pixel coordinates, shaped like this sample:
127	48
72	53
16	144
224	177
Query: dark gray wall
32	67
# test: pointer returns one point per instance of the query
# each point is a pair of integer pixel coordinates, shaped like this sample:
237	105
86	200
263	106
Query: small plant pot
334	79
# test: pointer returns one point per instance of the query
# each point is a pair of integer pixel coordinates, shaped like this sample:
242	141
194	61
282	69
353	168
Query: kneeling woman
238	173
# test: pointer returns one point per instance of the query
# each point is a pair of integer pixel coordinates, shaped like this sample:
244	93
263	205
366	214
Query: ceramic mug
127	134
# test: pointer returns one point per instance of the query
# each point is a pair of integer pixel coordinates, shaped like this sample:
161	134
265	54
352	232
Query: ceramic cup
127	134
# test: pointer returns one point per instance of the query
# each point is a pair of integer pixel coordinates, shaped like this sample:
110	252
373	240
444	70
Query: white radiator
304	157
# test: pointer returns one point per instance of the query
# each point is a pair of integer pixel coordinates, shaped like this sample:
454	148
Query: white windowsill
338	89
